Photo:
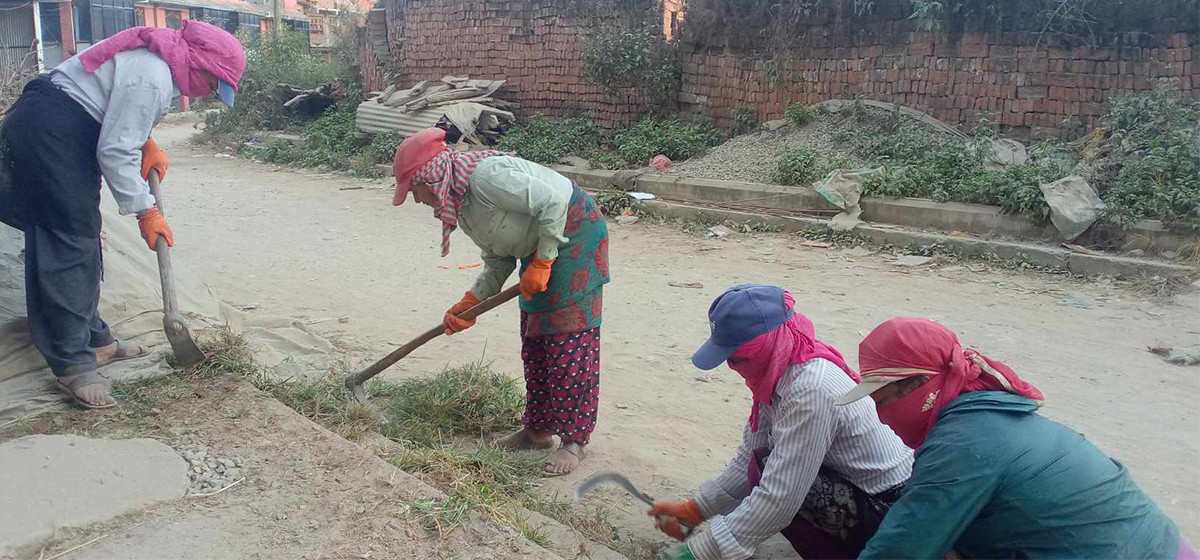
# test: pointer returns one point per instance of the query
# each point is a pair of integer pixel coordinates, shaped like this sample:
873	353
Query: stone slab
59	481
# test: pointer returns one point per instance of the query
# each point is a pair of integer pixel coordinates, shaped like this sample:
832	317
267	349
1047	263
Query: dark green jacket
996	480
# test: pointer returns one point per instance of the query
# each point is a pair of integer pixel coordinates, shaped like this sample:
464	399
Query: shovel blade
187	353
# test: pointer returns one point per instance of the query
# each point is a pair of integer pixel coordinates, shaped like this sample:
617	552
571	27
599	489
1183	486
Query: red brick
1061	79
1033	65
1032	92
1092	109
979	50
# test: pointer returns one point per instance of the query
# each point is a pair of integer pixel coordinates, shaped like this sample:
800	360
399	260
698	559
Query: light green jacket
514	208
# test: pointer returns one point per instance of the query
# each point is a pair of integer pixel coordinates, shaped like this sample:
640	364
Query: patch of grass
437	424
439	516
797	166
469	400
326	402
139	397
838	238
799	114
745	120
229	354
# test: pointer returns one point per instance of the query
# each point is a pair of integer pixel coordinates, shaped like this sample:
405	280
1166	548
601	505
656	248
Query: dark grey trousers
48	149
62	294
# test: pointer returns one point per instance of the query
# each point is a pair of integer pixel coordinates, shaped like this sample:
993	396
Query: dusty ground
324	247
304	492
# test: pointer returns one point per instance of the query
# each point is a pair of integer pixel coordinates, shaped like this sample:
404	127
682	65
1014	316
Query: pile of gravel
753	157
210	474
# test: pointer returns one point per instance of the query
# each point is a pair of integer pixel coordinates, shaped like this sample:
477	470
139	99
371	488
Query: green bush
546	141
332	141
676	139
383	147
1152	169
639	58
799	114
797	166
920	163
271	59
745	120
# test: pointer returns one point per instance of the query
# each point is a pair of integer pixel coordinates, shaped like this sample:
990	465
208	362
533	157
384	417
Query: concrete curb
1041	255
976	219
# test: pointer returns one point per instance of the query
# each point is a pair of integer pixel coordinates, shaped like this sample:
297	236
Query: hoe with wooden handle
187	353
354	382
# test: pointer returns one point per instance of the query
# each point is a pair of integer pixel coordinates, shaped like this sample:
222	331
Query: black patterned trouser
836	519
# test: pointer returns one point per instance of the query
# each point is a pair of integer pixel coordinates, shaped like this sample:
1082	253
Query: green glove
676	552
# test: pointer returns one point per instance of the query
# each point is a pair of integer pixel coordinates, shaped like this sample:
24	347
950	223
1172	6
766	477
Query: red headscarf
194	47
908	347
448	175
763	360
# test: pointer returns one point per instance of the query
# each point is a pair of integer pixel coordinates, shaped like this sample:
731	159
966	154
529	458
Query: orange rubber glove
153	158
451	321
673	516
536	278
153	224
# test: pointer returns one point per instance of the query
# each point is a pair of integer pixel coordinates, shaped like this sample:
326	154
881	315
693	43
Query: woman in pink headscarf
821	475
992	478
90	118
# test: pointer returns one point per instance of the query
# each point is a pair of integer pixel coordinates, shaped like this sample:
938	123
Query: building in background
39	34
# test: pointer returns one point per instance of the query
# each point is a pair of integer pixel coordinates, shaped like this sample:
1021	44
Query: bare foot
118	351
564	460
526	439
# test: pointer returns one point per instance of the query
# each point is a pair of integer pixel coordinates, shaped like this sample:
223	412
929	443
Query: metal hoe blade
611	478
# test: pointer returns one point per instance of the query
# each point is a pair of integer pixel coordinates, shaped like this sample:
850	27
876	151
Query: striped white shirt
804	430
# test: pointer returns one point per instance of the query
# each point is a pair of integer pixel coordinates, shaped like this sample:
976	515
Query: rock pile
210	474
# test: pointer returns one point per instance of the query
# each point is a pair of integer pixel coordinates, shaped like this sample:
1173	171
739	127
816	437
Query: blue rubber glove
676	552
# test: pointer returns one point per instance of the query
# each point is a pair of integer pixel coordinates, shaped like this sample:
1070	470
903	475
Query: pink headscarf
196	46
908	347
763	360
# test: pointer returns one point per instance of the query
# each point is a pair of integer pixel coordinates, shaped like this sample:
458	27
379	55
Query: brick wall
534	44
1027	81
1000	68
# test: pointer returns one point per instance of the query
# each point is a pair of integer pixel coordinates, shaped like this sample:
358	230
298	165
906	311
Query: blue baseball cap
740	315
225	92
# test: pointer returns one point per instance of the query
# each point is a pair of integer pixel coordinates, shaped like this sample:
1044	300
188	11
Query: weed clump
469	400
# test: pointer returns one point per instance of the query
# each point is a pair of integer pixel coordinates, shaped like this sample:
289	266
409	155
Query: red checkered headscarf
448	175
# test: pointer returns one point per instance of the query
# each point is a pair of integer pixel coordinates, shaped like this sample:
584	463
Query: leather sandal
74	384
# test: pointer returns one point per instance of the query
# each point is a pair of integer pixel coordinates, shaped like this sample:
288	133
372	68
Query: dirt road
322	247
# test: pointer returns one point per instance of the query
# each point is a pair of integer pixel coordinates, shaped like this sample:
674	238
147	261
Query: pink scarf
763	360
448	175
907	347
196	46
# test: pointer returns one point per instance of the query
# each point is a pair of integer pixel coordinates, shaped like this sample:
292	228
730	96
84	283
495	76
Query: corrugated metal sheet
16	36
376	117
16	27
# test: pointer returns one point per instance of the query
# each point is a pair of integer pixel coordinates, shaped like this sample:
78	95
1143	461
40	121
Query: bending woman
992	477
823	476
92	117
516	210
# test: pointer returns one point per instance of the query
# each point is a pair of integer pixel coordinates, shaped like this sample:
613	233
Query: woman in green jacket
516	210
992	478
